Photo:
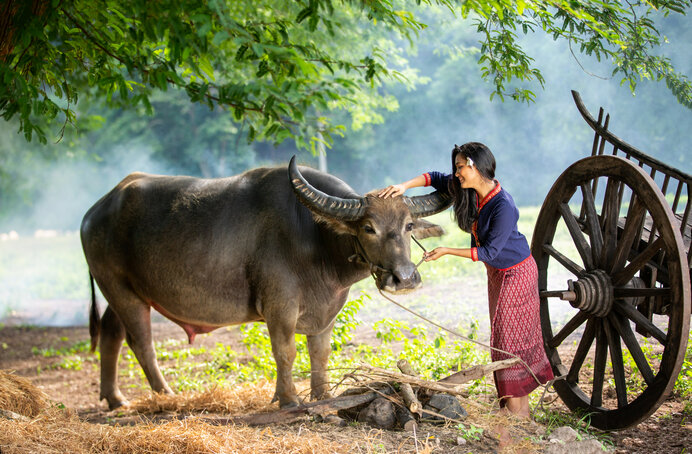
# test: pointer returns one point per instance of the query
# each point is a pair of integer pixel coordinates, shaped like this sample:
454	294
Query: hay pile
49	429
18	395
56	431
240	399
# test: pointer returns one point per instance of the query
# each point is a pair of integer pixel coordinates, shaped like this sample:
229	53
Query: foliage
470	432
272	63
683	385
280	65
625	34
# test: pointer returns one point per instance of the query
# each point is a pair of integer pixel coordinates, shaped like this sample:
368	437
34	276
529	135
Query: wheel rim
609	255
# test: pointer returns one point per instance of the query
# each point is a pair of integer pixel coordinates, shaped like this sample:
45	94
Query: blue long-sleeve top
495	238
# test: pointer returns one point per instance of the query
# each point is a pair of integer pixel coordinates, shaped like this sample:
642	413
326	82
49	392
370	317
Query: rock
565	440
565	434
588	446
380	413
445	405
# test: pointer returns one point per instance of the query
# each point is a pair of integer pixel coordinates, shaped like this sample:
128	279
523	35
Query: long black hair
465	200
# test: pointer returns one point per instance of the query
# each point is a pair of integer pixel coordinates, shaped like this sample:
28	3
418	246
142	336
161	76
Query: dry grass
56	431
240	399
53	430
19	395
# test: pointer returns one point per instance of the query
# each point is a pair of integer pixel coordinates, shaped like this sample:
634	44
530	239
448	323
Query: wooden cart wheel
618	257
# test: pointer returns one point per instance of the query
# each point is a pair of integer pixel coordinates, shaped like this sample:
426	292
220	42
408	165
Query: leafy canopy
281	65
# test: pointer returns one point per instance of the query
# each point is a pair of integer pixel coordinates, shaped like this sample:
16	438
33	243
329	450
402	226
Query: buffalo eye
368	229
409	226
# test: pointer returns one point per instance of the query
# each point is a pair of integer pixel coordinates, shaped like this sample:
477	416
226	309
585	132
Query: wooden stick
477	372
448	384
410	399
451	388
406	368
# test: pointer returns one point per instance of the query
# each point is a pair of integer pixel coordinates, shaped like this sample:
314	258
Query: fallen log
287	415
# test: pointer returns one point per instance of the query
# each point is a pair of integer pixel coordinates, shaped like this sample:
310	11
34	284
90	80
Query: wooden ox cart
628	259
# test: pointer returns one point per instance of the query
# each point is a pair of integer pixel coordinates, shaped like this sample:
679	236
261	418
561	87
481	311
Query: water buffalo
265	245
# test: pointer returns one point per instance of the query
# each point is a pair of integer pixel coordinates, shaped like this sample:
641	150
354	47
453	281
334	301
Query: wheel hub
592	293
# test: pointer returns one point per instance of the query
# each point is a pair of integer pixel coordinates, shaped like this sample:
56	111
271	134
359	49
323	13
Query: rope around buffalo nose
545	386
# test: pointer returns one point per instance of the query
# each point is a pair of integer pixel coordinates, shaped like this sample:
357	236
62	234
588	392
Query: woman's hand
434	254
392	191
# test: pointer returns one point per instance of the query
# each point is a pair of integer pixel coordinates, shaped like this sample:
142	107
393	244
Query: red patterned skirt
516	328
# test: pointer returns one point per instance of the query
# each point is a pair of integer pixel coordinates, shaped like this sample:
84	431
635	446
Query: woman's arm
440	251
399	189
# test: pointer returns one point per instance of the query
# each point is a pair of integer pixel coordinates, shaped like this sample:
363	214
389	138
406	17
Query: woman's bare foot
518	406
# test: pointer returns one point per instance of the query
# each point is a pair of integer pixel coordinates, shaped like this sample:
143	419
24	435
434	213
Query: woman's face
466	174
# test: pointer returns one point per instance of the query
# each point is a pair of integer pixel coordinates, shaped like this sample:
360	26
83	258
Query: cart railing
675	184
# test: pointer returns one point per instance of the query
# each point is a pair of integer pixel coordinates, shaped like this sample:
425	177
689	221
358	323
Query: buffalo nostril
406	273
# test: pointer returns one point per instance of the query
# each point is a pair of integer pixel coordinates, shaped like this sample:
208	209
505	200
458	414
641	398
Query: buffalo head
382	228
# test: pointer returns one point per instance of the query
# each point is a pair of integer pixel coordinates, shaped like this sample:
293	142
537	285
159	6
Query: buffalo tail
94	317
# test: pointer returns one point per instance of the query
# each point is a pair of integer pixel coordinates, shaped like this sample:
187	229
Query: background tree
276	63
126	123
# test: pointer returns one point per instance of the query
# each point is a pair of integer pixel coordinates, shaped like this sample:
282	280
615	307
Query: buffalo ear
338	226
424	229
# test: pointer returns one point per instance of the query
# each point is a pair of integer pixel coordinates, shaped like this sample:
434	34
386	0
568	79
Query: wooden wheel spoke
627	292
577	236
625	331
643	322
633	222
618	364
564	261
599	366
592	223
582	351
609	219
623	276
569	328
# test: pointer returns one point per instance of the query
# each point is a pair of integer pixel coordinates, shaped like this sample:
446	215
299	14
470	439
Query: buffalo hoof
114	403
289	404
115	399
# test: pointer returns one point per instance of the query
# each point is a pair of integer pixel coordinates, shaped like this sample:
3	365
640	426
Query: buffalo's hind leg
110	342
130	318
319	347
137	323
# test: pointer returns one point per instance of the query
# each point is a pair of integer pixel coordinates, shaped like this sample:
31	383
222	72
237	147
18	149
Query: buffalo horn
321	203
429	204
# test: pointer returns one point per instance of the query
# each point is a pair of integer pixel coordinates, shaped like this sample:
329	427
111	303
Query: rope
545	386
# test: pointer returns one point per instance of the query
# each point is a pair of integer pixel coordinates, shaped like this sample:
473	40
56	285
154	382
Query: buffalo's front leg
282	334
319	347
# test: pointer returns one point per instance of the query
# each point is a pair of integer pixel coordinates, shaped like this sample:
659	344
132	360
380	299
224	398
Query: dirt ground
667	431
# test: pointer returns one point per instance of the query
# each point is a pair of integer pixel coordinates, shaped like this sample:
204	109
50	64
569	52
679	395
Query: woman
487	211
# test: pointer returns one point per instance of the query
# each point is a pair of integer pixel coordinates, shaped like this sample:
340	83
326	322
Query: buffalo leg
110	343
319	347
137	321
282	334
